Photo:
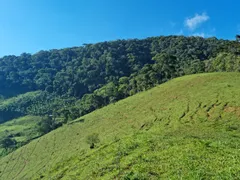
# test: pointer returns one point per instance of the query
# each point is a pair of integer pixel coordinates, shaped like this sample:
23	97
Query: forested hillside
80	70
62	85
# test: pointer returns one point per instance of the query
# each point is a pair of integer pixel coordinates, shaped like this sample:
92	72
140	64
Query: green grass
22	129
187	128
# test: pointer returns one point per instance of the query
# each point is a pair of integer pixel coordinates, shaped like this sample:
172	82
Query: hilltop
186	128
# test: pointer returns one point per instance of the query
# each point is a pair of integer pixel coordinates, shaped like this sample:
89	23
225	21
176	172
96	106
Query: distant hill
187	128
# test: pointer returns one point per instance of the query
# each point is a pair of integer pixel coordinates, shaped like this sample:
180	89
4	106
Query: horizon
41	25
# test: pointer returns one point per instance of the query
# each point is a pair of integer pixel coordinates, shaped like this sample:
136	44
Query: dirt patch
212	109
235	110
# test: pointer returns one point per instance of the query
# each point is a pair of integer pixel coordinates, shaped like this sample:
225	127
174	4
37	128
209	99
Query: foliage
224	62
20	105
58	86
76	81
72	82
48	124
7	143
92	139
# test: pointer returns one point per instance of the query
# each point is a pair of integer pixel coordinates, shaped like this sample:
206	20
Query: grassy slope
21	129
187	128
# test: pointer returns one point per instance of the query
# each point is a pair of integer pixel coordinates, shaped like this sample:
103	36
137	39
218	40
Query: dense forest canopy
74	81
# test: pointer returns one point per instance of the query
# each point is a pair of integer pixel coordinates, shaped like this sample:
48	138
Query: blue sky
33	25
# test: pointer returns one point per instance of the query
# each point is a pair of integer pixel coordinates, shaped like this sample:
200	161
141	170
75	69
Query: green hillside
187	128
59	86
72	82
21	130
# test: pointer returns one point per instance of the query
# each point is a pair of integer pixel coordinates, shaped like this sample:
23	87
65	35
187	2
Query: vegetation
187	128
69	83
238	37
7	143
92	140
75	81
21	131
47	124
44	91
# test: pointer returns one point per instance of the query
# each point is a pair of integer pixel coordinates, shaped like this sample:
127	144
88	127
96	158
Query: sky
34	25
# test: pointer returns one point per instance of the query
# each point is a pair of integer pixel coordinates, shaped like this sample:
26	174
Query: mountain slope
187	128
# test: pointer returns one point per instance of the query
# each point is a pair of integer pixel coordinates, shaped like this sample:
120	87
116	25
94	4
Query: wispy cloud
202	34
196	21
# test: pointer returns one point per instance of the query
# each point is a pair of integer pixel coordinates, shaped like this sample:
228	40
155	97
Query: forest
68	83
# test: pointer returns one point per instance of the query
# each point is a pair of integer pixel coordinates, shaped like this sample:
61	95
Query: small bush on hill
92	140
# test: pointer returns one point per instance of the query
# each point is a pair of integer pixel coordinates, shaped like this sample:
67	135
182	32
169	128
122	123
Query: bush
92	140
47	124
8	143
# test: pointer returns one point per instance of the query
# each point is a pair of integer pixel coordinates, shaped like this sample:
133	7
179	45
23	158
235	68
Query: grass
187	128
22	129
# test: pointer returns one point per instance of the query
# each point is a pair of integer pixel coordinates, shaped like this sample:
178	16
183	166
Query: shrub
8	143
48	124
92	140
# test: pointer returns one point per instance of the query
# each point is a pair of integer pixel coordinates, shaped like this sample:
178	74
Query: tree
48	124
165	64
194	66
123	87
108	93
89	103
92	139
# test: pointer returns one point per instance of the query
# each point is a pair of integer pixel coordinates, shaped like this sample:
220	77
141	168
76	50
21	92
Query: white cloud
196	21
202	34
